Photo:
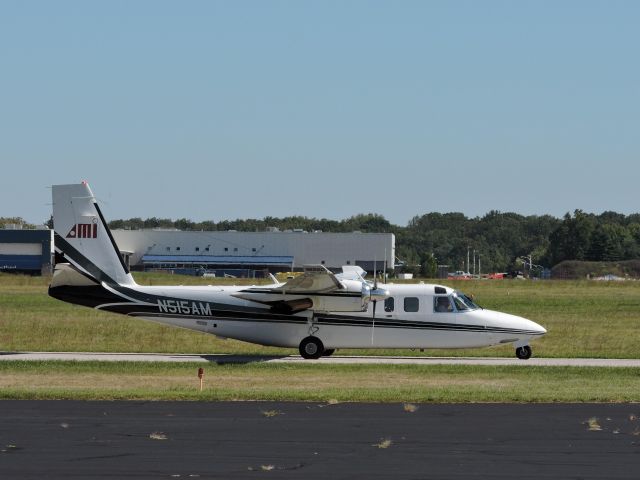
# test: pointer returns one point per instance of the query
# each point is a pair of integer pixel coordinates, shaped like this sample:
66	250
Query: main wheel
523	353
311	348
328	352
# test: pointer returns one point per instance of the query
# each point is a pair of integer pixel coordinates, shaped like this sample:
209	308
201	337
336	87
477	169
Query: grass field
317	383
584	319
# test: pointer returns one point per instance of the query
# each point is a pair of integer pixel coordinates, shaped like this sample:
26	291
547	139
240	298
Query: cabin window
442	304
460	305
411	304
468	302
389	304
197	249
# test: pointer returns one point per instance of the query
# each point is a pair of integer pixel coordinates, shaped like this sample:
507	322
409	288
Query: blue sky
222	110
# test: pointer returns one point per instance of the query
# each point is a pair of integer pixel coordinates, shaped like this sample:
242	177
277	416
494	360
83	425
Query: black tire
524	353
328	352
311	348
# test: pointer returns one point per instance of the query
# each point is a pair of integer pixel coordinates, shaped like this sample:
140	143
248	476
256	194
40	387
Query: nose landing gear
524	353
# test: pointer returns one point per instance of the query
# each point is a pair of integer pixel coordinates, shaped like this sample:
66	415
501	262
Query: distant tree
612	218
4	221
116	224
152	222
571	240
634	232
429	267
207	226
369	222
183	224
609	242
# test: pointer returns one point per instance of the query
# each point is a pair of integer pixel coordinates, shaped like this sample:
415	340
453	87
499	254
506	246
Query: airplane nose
530	326
539	329
512	322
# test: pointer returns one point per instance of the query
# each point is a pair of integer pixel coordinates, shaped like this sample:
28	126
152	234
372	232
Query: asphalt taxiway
336	359
253	440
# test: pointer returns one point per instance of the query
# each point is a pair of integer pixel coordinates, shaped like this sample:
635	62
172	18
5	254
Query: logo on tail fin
84	230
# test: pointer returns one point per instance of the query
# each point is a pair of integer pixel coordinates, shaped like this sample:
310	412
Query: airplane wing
316	279
317	289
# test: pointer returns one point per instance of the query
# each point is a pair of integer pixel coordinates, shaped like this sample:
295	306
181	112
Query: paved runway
215	358
194	440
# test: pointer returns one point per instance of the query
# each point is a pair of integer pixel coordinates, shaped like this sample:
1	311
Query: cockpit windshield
463	302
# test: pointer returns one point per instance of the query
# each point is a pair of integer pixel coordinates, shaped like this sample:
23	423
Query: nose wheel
524	353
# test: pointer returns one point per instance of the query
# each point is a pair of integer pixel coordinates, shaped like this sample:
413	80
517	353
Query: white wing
317	289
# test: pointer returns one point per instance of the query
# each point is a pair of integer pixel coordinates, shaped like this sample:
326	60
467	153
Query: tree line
499	239
6	221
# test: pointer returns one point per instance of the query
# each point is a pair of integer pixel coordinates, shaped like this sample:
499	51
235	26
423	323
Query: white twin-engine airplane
317	311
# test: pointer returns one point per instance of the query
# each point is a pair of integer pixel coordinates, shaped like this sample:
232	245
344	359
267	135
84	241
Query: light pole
474	261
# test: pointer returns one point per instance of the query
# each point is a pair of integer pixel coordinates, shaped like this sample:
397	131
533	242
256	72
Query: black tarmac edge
256	440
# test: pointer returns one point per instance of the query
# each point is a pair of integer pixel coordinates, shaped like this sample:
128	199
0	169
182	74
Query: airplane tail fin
83	239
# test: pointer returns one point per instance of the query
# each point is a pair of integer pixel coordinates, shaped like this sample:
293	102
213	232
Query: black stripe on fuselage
335	320
417	324
346	322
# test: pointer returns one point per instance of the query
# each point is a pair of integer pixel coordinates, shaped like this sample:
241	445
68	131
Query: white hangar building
272	251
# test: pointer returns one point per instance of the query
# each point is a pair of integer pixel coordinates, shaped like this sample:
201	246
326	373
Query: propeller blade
375	273
373	325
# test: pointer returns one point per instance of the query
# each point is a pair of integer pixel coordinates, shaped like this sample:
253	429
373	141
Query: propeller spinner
374	294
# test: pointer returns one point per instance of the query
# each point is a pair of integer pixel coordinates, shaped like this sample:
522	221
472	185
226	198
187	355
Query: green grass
584	319
316	383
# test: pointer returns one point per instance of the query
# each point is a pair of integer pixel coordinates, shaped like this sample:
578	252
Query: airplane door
384	311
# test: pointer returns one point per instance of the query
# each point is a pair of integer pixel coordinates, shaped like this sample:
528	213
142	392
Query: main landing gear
312	348
524	353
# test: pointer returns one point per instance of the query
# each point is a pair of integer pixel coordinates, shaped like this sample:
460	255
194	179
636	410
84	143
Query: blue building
26	251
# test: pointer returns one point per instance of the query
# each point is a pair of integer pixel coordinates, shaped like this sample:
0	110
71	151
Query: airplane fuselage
214	310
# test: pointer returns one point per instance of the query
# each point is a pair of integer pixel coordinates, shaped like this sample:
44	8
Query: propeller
376	294
375	287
